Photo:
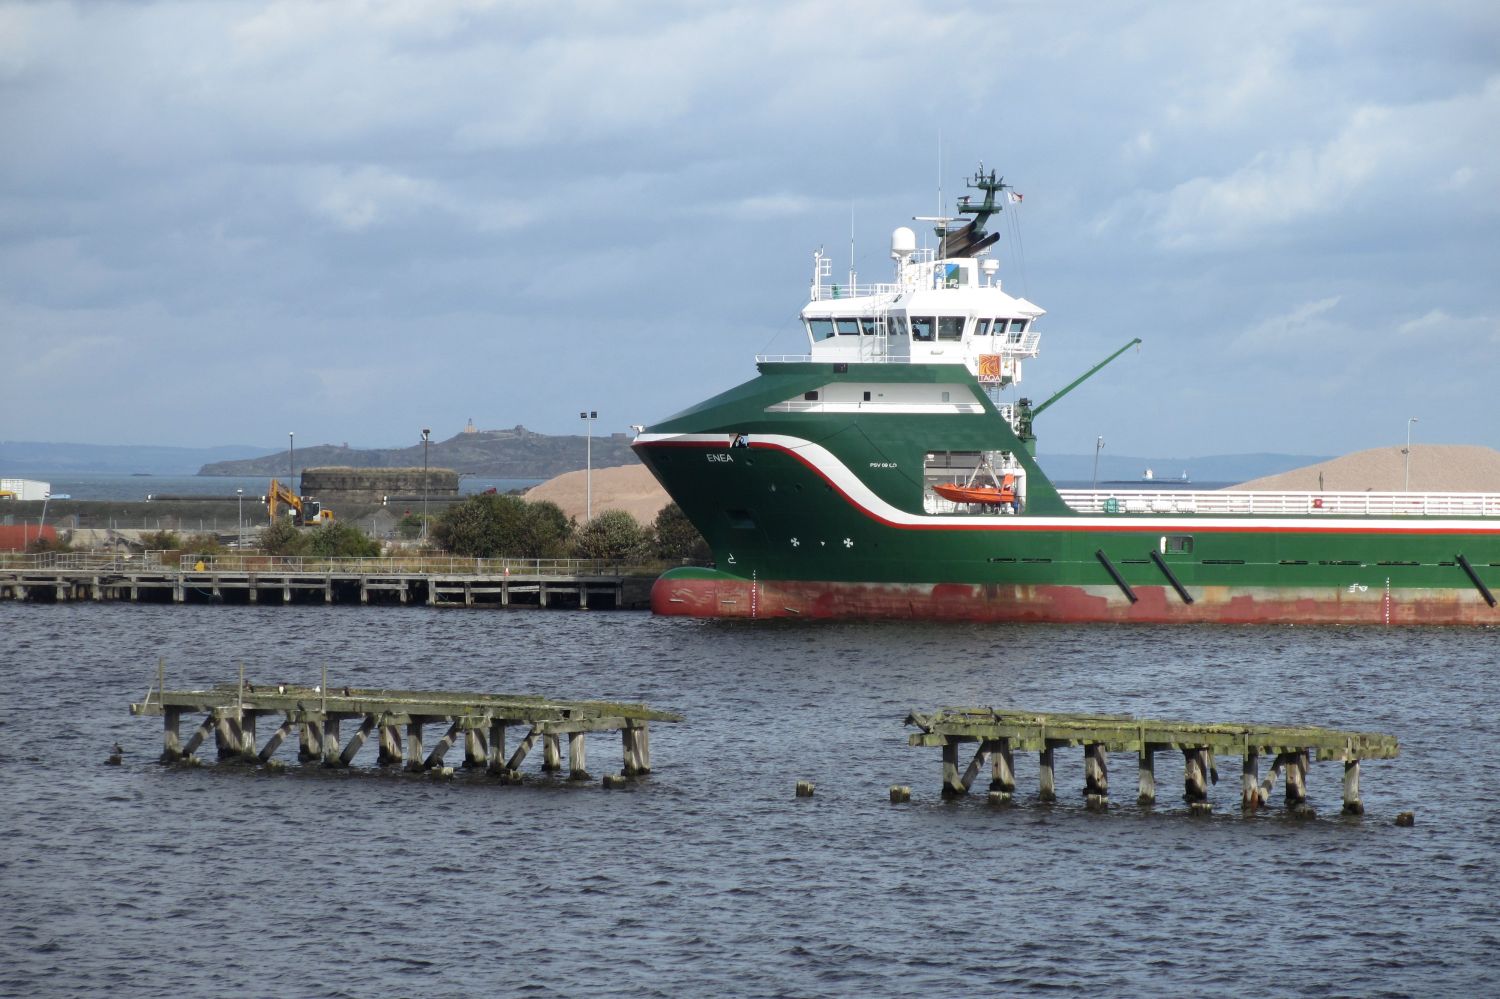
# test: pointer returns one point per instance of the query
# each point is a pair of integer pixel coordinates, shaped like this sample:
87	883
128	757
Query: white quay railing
1230	501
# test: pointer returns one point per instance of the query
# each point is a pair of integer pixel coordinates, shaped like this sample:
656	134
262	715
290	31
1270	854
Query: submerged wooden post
414	744
643	747
981	755
331	741
1296	782
551	752
1095	769
389	753
525	747
247	735
1250	798
171	741
577	757
202	732
1145	761
952	786
630	765
1194	775
435	758
476	750
1352	804
496	748
276	739
1003	768
1269	784
226	736
357	740
1047	782
311	747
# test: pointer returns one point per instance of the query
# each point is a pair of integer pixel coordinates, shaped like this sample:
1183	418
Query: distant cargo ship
882	475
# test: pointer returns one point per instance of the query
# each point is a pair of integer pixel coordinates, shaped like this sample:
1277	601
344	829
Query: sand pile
1435	468
631	488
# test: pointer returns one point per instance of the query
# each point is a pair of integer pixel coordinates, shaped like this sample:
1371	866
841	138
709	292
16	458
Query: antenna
851	247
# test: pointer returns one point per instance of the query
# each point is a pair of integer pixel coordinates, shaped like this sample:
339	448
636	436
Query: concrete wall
332	486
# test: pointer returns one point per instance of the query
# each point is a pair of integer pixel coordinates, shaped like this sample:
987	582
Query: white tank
903	243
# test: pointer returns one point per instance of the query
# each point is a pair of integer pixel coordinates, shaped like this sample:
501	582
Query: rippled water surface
710	877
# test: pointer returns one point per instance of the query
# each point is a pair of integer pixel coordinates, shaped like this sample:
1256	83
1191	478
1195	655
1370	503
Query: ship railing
821	291
1342	504
407	565
821	359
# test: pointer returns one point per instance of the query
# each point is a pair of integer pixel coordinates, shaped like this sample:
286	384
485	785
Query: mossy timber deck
1000	733
480	720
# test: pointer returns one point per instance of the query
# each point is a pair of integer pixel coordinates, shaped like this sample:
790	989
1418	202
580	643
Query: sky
224	222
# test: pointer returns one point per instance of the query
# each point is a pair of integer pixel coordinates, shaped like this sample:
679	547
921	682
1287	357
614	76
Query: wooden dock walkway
1001	733
556	583
399	719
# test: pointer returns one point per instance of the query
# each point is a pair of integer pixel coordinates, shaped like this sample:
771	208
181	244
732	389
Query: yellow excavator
305	512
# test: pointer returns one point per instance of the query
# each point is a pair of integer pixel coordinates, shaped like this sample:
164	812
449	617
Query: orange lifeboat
987	495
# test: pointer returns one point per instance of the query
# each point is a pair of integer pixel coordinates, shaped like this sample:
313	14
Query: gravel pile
1435	468
631	488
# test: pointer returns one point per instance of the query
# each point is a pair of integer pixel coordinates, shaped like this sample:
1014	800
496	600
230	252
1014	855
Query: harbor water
710	877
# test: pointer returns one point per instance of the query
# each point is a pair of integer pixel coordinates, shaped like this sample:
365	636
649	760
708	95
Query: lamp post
1098	445
291	460
239	496
41	524
426	435
1406	458
588	419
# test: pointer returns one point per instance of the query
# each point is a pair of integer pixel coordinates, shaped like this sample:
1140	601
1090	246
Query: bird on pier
346	692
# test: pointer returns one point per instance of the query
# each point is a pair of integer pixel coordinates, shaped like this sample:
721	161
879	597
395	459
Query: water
101	486
710	877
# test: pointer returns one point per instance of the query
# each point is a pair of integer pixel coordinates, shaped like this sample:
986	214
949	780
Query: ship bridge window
847	327
950	327
923	328
870	326
1017	327
821	329
982	327
897	326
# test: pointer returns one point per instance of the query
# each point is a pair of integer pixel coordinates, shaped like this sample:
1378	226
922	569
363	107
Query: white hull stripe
823	462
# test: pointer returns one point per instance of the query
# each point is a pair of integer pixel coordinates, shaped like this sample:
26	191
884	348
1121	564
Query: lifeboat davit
988	495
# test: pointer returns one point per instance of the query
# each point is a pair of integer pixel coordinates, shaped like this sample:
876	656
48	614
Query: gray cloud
353	219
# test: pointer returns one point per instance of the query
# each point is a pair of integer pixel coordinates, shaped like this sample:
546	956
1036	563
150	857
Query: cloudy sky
220	222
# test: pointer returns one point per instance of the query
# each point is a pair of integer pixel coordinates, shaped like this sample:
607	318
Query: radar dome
903	243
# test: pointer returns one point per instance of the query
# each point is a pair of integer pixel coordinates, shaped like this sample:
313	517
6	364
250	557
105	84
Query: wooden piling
1352	803
389	753
435	758
577	757
331	751
414	743
1250	798
1003	768
551	753
1095	770
357	741
1146	774
277	738
1194	775
171	742
476	752
1047	780
952	786
496	749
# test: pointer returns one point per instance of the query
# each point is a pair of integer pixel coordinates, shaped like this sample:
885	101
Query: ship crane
1025	414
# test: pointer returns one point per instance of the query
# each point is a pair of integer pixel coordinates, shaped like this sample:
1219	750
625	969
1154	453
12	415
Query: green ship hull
828	514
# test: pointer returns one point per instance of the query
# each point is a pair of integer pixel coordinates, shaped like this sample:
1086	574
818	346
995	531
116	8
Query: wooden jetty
999	734
398	719
503	583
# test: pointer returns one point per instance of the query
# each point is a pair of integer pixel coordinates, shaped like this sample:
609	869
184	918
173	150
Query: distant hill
36	457
517	453
1433	468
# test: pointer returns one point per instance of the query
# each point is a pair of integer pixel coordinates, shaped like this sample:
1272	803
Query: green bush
613	534
281	537
495	526
204	544
337	540
676	537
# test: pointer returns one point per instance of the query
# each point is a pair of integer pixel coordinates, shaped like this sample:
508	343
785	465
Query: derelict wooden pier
399	721
999	734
